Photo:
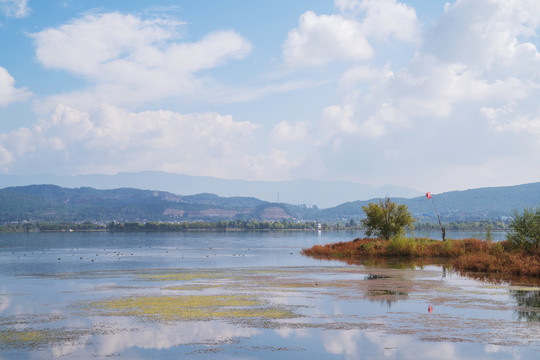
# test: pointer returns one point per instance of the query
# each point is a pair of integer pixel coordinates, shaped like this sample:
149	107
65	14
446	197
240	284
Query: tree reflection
528	305
385	289
386	296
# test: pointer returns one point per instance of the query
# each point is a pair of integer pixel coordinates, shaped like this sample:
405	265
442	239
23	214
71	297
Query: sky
430	95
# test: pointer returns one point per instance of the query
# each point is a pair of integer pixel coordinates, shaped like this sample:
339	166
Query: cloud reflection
343	342
356	344
4	302
160	336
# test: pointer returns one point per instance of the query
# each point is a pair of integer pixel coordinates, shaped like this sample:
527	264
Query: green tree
525	231
386	219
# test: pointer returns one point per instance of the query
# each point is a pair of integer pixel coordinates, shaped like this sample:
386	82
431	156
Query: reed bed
464	254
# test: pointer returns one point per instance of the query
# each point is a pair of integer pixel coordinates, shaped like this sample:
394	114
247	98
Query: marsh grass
464	254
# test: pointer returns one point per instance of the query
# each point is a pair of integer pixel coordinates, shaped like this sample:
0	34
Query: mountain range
323	194
52	203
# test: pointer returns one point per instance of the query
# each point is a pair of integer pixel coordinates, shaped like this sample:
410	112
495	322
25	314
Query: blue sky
431	95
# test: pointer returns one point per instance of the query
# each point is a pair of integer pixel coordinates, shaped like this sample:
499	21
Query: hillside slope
56	204
467	205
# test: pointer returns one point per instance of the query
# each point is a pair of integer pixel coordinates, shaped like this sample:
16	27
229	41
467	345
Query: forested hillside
55	204
50	203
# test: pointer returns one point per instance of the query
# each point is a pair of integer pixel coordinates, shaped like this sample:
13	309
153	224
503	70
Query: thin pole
436	211
443	230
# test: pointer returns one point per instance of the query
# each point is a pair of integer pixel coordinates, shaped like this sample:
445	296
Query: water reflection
372	310
528	304
355	344
385	290
128	336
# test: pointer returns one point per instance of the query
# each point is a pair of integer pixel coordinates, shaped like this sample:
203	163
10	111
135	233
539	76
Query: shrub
386	219
525	232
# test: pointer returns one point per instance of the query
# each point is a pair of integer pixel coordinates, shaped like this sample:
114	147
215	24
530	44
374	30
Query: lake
209	295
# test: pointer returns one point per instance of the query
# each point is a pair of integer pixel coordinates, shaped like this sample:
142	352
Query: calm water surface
246	295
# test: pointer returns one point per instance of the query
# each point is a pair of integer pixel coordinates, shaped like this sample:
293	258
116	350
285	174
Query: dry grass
464	255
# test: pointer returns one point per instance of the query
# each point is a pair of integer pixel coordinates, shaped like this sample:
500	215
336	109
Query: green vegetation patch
32	338
194	307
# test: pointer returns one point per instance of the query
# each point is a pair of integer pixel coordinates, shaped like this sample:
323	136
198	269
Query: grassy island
475	255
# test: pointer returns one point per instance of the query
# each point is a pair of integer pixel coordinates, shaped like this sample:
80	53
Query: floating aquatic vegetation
27	319
191	307
33	338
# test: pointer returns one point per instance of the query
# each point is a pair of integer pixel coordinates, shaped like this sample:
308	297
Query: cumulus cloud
484	33
285	132
384	18
321	39
14	8
8	92
473	58
108	139
130	60
505	119
470	85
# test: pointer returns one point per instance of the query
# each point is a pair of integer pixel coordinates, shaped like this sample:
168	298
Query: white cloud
130	60
453	71
5	158
20	141
339	119
484	33
285	132
505	119
8	92
472	87
108	139
275	165
363	73
14	8
319	40
384	18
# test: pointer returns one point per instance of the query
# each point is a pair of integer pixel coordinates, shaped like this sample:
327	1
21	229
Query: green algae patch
196	307
21	339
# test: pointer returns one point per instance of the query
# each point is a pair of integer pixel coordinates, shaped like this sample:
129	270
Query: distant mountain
467	205
323	194
53	203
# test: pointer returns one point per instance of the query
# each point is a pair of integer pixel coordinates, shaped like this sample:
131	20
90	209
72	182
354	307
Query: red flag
428	195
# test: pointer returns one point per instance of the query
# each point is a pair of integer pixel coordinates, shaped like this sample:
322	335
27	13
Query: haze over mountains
323	194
